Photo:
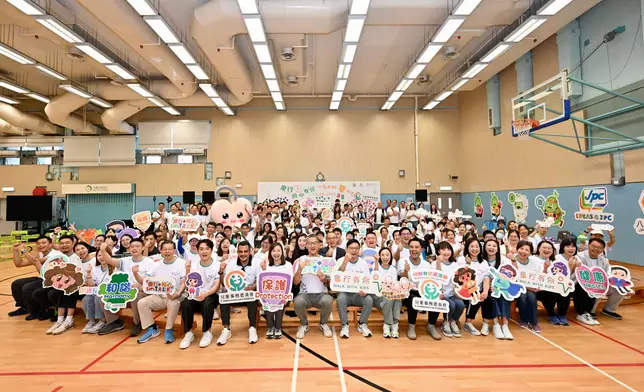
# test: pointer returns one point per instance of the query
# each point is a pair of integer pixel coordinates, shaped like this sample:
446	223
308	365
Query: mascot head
230	213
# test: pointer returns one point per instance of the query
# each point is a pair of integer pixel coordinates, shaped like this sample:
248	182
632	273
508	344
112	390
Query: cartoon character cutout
466	287
504	284
495	205
430	290
520	206
230	213
478	206
559	267
116	225
551	208
193	285
620	280
59	273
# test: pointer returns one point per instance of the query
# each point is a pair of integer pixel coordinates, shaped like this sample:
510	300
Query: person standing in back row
393	213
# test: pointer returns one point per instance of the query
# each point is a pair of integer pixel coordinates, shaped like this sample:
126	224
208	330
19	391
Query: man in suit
332	250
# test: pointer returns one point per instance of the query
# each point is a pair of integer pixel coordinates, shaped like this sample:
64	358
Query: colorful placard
370	256
430	274
362	229
159	285
351	282
557	280
458	214
194	281
57	272
478	206
396	290
345	224
466	286
551	208
520	205
593	280
592	202
311	265
235	284
117	293
620	280
504	283
602	226
184	223
430	301
142	220
88	234
274	290
495	205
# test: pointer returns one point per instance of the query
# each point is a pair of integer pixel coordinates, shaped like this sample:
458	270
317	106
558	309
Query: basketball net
521	128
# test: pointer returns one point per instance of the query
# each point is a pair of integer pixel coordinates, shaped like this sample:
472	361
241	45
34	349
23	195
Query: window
29	148
184	159
152	159
44	161
12	161
45	148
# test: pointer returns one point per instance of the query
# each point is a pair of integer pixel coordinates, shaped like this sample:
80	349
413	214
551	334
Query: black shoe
290	313
18	312
135	330
114	326
47	315
32	316
611	314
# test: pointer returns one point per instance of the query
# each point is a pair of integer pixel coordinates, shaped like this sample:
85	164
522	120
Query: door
445	202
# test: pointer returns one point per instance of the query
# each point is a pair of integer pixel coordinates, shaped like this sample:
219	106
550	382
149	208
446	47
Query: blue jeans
456	308
502	307
528	307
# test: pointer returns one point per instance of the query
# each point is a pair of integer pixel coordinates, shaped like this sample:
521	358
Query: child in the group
276	262
564	263
202	284
527	302
473	257
390	308
445	262
501	305
92	304
353	263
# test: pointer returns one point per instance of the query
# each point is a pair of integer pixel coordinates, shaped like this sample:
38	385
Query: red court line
56	389
324	368
608	337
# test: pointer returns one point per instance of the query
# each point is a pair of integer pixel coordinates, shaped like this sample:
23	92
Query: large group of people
279	237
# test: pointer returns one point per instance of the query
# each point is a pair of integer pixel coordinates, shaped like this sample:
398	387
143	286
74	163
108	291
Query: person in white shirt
402	212
411	215
446	263
421	212
202	283
393	213
473	258
390	308
492	254
527	302
379	215
92	304
354	264
401	250
262	253
170	267
159	216
275	262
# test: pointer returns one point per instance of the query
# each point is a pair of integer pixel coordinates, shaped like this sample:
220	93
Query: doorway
445	202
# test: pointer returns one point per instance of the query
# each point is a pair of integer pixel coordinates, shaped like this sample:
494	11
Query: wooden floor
576	358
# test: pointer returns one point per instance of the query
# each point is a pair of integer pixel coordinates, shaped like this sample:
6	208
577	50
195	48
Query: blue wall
147	203
622	202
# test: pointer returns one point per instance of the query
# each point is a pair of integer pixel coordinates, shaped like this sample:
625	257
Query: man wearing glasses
353	263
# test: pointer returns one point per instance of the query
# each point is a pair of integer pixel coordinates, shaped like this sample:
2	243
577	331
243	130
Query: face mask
468	227
297	230
499	236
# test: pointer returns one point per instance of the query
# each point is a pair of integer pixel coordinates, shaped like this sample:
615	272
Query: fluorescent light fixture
13	87
75	90
228	111
142	7
263	55
340	85
474	70
182	53
335	105
142	91
59	29
553	7
466	7
496	52
443	95
8	189
354	28
248	7
359	7
395	96
268	71
279	105
343	71
50	72
255	28
100	102
272	85
8	100
431	105
415	71
388	105
94	53
15	55
448	28
219	102
277	97
158	102
171	110
526	28
404	84
197	71
159	25
349	53
208	89
459	84
27	6
445	188
337	96
38	97
120	71
430	51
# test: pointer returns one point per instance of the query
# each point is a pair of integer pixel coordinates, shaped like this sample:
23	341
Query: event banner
184	223
351	282
142	220
274	290
314	264
430	301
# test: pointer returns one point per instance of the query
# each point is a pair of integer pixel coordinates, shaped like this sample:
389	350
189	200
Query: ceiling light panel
443	95
354	29
15	55
39	97
255	28
196	70
335	105
415	71
209	89
448	28
430	51
171	110
59	29
27	6
272	85
340	84
496	52
466	7
143	7
50	72
162	29
262	52
219	102
343	71
13	87
8	100
120	71
404	84
337	96
553	7
431	105
474	70
359	7
102	103
460	84
75	90
248	7
349	53
277	97
525	29
229	111
157	101
142	91
182	53
94	53
268	71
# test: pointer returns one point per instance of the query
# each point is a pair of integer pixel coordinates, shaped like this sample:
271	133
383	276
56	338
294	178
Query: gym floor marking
339	361
296	361
608	337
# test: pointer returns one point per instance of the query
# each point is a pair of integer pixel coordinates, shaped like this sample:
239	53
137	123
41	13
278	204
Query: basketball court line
8	302
343	383
583	361
296	361
57	389
608	337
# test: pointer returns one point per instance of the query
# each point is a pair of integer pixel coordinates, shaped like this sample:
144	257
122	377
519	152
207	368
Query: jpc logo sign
592	202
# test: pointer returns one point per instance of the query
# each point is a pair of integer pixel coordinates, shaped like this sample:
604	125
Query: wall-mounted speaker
421	195
188	197
208	196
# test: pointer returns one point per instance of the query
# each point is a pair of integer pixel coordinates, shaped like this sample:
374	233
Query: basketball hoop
521	128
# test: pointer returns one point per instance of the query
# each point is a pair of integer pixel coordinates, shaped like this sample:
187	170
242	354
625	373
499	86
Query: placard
593	280
556	281
466	286
274	290
362	229
620	280
88	234
550	207
430	274
351	282
142	220
369	255
592	202
59	273
520	206
478	206
503	283
194	281
430	301
184	223
314	264
117	293
458	214
159	285
235	284
602	226
345	224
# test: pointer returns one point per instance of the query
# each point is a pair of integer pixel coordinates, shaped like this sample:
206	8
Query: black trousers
549	300
412	313
60	300
41	297
583	302
22	292
487	309
252	312
206	307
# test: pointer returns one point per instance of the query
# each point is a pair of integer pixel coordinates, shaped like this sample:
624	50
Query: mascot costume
233	211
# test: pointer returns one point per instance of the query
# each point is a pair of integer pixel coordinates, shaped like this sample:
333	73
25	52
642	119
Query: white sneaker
97	327
223	338
252	335
344	332
90	324
386	331
447	330
593	319
206	339
469	327
325	330
585	319
394	331
235	310
216	315
456	331
302	330
54	327
485	329
506	332
63	327
364	330
187	340
498	332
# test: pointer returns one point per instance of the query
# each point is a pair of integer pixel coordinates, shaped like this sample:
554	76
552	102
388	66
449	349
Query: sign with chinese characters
161	285
430	301
504	283
592	202
369	255
59	273
593	280
235	284
184	223
314	264
620	280
142	220
555	281
435	275
350	282
274	290
638	225
396	290
345	224
117	293
362	229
